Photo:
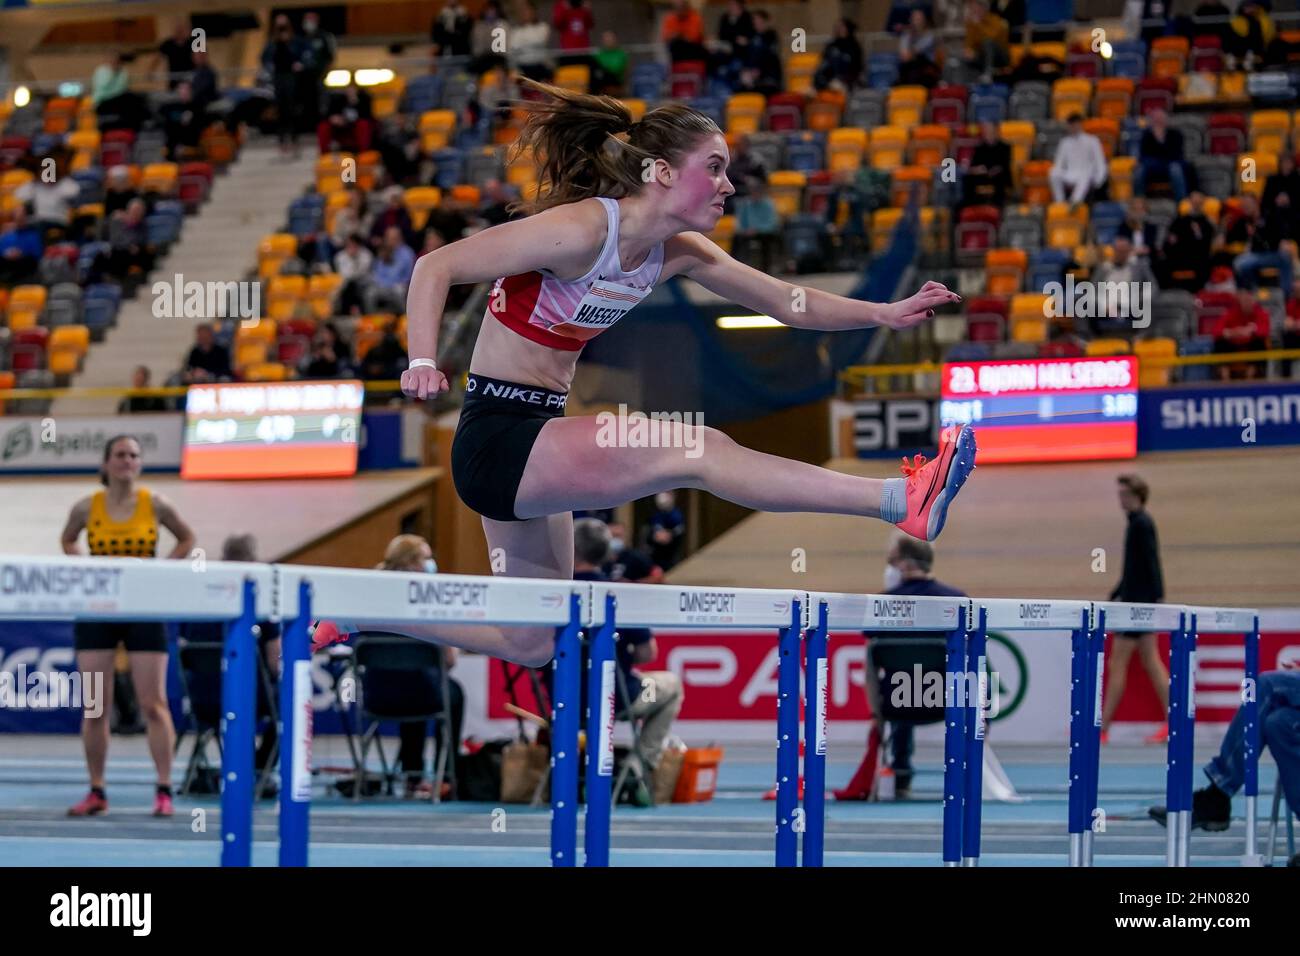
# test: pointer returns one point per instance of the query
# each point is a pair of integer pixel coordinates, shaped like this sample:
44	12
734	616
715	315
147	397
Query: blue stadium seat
450	166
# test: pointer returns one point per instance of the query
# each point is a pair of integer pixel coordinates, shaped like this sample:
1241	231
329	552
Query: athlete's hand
916	309
423	382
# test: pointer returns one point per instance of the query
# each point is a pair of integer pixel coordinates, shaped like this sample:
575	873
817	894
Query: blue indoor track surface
41	775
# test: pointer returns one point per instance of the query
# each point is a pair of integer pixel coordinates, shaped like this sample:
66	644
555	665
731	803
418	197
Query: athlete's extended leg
536	548
573	465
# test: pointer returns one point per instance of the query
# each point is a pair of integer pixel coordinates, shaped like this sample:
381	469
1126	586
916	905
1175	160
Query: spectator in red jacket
1291	326
1244	328
683	33
572	22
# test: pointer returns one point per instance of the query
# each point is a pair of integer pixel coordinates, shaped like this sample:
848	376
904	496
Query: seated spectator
988	177
530	40
683	33
411	553
1160	156
110	91
21	248
572	22
177	54
909	567
761	71
900	14
1127	267
1244	328
118	191
655	697
1135	228
666	531
988	43
918	51
1079	169
1291	326
1253	34
1283	187
1185	253
353	263
386	360
351	220
208	361
348	121
745	172
758	223
625	563
486	44
141	403
131	253
393	214
398	145
329	356
51	204
451	30
609	66
1277	694
390	273
184	121
204	86
841	63
735	33
1262	238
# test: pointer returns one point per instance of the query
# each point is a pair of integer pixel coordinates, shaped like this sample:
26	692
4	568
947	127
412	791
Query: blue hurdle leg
566	689
296	734
601	674
1173	764
976	715
238	722
1250	706
1096	660
814	737
954	750
1078	785
787	743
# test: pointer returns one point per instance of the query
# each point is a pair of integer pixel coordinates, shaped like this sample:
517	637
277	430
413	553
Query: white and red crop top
564	314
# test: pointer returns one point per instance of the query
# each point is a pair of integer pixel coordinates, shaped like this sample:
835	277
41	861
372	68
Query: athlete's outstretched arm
694	255
564	239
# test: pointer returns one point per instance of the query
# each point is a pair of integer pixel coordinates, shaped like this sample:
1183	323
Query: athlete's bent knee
532	650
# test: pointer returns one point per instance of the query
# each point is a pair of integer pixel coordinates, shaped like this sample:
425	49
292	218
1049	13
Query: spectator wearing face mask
666	531
909	571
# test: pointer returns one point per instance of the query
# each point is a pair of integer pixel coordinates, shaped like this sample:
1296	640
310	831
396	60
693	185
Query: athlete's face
124	460
702	183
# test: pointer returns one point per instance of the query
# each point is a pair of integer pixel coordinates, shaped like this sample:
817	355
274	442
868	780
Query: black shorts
106	635
498	425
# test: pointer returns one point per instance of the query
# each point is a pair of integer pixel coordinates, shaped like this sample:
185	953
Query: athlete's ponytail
587	145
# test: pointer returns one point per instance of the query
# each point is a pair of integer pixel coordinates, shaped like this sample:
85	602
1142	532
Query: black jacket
1142	581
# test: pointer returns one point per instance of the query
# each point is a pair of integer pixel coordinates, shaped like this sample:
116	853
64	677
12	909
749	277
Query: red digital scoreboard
1072	409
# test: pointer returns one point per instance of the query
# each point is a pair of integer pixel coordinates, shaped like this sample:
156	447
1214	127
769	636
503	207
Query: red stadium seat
1156	92
687	79
784	112
977	231
1227	134
948	104
1207	54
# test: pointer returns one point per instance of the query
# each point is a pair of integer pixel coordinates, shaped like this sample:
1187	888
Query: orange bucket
699	775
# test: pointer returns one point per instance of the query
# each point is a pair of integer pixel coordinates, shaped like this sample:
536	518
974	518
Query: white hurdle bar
239	595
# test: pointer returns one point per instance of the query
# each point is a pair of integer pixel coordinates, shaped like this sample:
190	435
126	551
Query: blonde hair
587	145
403	552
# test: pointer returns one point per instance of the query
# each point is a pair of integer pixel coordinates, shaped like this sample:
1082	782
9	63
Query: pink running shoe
93	805
931	485
162	805
326	633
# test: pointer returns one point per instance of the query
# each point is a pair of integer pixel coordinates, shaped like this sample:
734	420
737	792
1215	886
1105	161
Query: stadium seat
1121	178
329	171
1105	129
745	113
784	111
1154	375
1019	134
883	223
786	191
1253	171
1070	95
1207	54
824	112
1108	347
284	295
910	184
947	105
1227	134
1169	55
419	202
1113	98
845	148
977	230
1156	92
1269	131
986	318
724	232
1036	184
436	130
929	144
1004	270
905	105
66	347
575	77
800	68
273	250
888	146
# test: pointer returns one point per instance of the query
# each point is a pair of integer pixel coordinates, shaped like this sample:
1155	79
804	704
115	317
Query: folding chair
388	666
1279	804
631	765
890	656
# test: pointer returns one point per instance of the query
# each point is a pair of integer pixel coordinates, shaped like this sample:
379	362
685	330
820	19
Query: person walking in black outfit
282	57
1141	583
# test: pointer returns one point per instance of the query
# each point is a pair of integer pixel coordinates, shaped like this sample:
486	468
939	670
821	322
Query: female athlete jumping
622	206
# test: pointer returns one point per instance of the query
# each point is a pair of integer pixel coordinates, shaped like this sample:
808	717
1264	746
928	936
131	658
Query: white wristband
422	363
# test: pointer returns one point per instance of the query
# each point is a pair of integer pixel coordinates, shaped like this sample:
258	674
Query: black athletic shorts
106	635
498	425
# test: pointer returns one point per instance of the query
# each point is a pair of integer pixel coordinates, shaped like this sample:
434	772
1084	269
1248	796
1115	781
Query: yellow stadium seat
333	203
266	372
799	70
1108	347
1106	130
284	295
321	291
1269	131
369	164
1121	178
385	97
1027	329
1114	97
724	233
910	182
1168	56
250	352
159	178
1019	135
329	171
929	144
1154	376
26	303
785	187
1036	184
745	113
419	200
1028	305
845	148
883	222
888	145
11	179
1211	206
273	250
84	140
636	107
1004	270
905	105
1070	94
436	129
573	76
1232	86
